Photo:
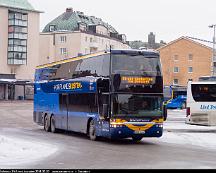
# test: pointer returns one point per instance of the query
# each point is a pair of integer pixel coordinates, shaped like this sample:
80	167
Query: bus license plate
139	132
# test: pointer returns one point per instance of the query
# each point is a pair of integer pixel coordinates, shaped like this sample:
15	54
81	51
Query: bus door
62	118
103	100
78	112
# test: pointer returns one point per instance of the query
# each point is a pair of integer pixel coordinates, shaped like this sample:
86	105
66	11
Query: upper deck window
136	65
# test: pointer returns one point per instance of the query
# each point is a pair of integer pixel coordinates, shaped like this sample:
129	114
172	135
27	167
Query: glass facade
17	38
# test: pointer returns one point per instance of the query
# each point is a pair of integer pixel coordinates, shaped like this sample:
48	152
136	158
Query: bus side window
93	103
63	102
82	103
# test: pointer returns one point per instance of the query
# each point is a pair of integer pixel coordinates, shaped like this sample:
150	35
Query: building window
63	39
175	81
17	37
176	69
63	51
190	69
52	28
190	57
176	58
86	39
91	40
190	80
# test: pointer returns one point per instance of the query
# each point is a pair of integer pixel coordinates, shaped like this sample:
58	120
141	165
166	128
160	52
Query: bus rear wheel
46	123
136	138
53	127
92	131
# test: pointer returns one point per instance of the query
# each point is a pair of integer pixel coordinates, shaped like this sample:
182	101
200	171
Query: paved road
76	151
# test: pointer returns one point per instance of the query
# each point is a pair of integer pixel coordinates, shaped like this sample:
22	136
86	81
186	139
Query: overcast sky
168	19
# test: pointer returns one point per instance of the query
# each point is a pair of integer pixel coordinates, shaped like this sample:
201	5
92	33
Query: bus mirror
165	112
105	110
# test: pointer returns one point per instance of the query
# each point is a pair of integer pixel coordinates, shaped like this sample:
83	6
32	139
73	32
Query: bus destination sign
137	80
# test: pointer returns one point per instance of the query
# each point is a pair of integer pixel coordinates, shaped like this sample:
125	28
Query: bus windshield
136	105
204	92
136	65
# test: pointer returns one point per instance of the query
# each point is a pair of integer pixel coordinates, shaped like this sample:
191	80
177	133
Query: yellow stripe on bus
140	128
70	60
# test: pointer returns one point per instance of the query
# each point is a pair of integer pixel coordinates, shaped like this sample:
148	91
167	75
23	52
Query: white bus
201	103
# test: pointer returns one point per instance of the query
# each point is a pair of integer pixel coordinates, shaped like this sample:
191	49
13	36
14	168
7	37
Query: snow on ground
205	140
15	151
176	131
184	126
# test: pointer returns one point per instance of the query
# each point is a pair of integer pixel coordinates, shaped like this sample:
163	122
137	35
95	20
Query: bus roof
120	51
207	78
202	82
136	52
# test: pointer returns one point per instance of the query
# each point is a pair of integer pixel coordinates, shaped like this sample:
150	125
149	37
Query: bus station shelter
13	89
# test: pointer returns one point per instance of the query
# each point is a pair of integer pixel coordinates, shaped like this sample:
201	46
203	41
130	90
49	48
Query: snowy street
15	151
26	145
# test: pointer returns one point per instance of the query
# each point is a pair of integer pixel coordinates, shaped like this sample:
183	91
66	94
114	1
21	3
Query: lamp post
213	56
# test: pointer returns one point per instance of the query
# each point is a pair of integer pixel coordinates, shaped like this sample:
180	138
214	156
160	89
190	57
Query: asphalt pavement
176	149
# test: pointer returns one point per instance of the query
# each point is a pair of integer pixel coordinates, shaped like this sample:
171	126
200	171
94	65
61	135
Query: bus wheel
92	131
53	127
136	139
46	123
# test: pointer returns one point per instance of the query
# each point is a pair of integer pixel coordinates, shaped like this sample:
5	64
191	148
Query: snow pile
14	151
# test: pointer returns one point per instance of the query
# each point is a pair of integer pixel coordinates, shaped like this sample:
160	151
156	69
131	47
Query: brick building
185	59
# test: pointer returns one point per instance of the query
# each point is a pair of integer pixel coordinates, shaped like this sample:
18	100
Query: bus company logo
208	107
68	86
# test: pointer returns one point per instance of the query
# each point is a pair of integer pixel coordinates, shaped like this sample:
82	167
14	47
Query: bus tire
92	131
136	139
52	123
46	123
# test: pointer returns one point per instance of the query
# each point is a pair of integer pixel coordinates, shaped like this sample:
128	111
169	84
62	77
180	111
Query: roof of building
69	21
200	43
20	4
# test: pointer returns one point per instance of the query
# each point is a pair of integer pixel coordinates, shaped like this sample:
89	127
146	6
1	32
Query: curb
191	130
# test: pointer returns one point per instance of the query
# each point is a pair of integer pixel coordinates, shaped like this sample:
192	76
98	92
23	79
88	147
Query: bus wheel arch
91	130
46	122
52	124
88	125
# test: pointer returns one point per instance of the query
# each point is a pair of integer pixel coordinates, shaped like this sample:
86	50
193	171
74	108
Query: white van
201	103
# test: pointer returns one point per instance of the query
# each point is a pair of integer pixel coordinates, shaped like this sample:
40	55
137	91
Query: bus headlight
159	125
116	125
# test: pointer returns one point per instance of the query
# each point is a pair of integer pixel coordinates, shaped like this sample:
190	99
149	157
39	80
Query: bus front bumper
125	132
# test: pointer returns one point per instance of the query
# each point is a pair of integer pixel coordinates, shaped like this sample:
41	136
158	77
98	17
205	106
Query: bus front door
64	111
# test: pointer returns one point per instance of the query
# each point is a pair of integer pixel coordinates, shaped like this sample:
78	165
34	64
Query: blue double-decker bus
115	94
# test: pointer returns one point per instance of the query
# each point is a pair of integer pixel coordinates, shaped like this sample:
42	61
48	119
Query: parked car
177	103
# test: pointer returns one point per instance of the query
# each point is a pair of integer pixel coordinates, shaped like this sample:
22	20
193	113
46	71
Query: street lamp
213	57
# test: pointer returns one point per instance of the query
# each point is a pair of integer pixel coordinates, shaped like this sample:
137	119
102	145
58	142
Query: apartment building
73	34
19	50
185	59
